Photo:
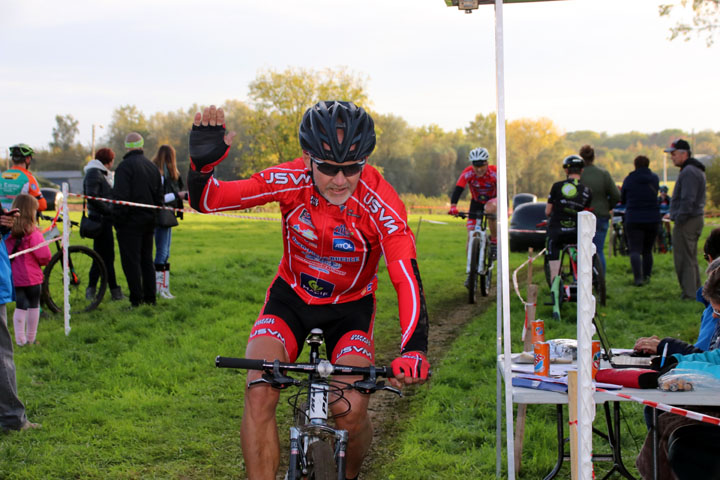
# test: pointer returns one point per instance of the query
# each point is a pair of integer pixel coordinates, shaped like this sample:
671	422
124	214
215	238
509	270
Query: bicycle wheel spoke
84	265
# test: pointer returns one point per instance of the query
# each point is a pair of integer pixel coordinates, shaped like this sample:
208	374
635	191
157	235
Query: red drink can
542	358
538	331
595	357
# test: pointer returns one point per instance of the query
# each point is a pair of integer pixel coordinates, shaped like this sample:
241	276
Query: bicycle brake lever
397	391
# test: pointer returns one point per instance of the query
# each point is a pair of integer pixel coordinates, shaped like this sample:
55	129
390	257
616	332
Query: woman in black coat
642	217
98	183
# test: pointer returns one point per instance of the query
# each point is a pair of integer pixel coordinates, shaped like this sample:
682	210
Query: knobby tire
486	277
81	258
473	275
321	461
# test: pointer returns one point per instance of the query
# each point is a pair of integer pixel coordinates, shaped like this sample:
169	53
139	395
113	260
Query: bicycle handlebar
335	369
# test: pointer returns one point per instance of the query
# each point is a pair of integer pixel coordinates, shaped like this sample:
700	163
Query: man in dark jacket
137	180
686	210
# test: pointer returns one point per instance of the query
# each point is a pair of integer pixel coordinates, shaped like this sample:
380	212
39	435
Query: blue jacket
708	362
639	194
7	292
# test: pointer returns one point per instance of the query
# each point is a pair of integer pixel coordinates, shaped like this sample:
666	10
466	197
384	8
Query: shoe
116	294
493	250
639	282
89	293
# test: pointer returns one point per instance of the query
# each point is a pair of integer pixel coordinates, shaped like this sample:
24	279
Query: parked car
521	198
53	197
524	230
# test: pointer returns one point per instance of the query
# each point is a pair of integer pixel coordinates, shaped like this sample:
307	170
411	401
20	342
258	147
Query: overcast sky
603	65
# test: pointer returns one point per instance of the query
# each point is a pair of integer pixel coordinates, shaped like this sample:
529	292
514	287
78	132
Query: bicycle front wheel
472	280
83	262
321	461
598	280
486	277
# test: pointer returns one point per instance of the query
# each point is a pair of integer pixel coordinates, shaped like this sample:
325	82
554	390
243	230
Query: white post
585	331
65	253
503	289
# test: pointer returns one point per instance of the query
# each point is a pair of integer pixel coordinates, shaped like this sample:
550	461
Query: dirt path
387	411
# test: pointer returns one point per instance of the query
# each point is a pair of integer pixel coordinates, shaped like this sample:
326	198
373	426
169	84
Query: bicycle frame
480	231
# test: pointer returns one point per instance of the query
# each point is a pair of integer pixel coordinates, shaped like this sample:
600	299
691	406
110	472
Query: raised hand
209	141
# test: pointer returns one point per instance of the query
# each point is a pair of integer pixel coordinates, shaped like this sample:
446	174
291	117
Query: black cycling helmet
664	188
21	150
573	161
318	132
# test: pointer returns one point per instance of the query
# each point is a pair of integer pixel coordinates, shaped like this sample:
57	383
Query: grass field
134	394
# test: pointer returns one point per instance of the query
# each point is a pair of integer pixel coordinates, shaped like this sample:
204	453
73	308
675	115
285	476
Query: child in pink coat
26	268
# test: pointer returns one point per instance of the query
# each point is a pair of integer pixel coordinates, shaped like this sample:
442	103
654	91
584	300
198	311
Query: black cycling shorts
347	327
556	241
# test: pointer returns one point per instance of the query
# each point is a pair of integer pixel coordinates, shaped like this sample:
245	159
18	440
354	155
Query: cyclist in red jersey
481	179
339	217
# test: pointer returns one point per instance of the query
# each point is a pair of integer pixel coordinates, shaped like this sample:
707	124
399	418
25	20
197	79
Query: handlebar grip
244	363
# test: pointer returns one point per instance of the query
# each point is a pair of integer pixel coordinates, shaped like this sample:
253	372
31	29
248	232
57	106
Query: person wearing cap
137	180
686	210
605	195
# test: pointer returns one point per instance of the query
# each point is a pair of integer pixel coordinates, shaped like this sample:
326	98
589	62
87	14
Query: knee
356	419
261	402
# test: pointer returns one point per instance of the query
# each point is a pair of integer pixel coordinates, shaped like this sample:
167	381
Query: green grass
134	394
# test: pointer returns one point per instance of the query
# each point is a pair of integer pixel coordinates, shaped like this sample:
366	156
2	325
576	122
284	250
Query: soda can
542	358
595	357
538	331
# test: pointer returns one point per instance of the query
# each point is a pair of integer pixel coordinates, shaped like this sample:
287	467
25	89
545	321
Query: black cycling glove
207	147
670	363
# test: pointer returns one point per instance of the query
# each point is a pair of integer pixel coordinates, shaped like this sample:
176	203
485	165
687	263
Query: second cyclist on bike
481	179
566	199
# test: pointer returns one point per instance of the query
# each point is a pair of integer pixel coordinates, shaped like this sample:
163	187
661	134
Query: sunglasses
479	163
332	170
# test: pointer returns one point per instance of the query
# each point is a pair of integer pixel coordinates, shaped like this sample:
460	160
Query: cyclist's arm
34	190
405	277
455	197
548	209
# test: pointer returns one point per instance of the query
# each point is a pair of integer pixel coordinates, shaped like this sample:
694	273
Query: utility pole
92	153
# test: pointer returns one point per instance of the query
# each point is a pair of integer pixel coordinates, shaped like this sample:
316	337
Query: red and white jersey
331	252
482	188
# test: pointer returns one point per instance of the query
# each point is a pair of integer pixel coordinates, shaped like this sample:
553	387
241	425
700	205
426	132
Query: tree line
424	160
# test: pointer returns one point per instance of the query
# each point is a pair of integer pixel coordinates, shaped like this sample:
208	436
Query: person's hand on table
647	345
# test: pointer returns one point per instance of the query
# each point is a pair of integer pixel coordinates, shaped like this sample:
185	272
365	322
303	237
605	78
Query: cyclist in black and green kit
566	199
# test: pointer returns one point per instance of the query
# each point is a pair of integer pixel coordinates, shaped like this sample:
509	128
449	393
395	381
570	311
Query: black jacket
137	180
639	194
95	184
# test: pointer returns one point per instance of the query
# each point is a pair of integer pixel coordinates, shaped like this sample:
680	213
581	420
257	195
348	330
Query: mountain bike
564	287
317	451
480	259
80	260
663	243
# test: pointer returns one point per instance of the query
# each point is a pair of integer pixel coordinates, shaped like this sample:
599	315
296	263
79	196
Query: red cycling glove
453	210
411	364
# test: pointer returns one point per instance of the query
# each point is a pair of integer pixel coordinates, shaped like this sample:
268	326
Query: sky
602	65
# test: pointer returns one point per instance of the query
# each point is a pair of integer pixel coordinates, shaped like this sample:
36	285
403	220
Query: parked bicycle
317	451
564	287
480	258
80	260
618	237
663	243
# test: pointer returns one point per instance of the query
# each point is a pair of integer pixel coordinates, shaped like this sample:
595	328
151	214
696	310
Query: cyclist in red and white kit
339	217
481	179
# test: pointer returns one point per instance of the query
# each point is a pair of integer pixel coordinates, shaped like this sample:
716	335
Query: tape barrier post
585	330
65	254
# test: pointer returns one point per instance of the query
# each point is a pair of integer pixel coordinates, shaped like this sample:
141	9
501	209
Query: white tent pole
65	254
585	331
498	380
502	219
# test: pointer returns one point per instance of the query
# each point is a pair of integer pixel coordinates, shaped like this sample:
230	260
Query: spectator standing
687	210
98	182
605	195
27	268
137	180
12	410
18	179
173	193
642	217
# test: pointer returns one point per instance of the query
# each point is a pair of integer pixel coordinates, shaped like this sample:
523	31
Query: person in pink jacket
26	268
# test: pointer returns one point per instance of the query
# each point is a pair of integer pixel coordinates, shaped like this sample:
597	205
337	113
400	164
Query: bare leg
259	436
491	209
356	421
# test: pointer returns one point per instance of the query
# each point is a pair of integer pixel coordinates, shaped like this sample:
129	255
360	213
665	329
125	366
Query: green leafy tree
126	119
705	19
281	98
535	150
434	158
393	152
64	132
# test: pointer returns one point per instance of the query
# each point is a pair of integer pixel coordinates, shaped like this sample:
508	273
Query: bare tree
705	19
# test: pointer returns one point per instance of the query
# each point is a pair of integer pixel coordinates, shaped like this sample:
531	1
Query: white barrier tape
185	210
668	408
520	230
515	281
32	249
